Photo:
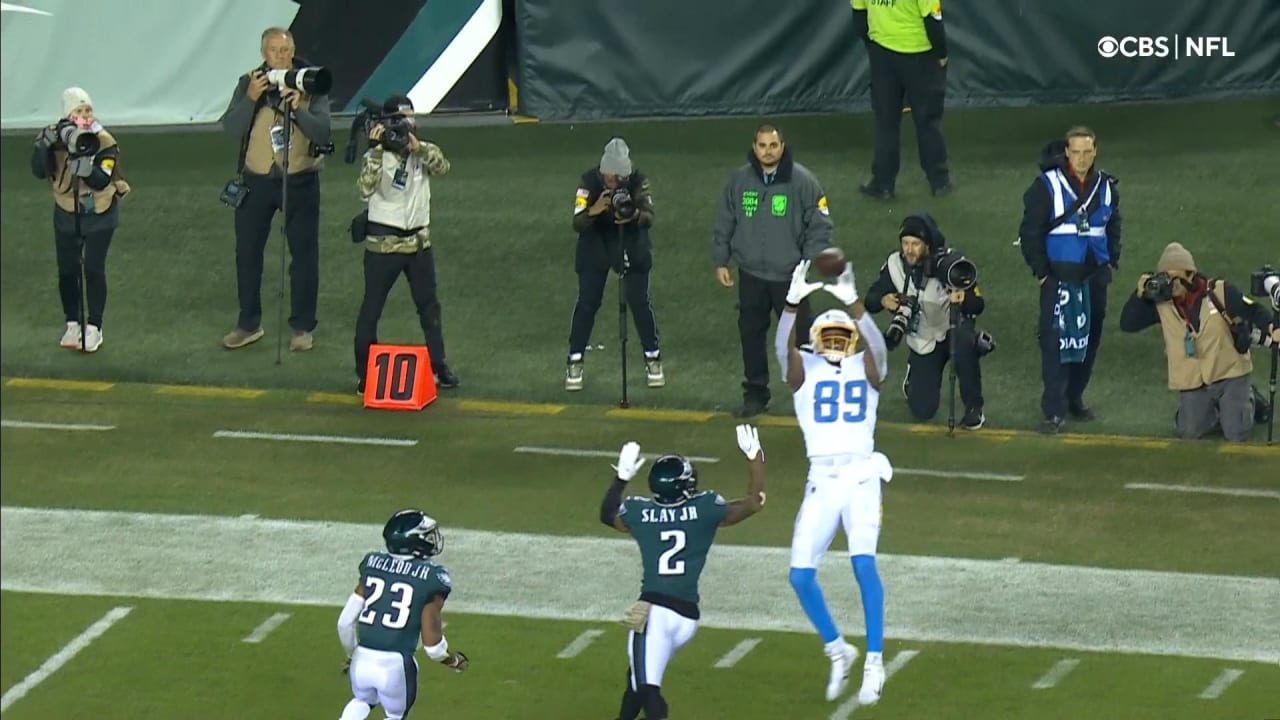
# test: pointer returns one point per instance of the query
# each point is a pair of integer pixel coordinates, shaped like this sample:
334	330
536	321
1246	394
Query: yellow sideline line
210	391
51	384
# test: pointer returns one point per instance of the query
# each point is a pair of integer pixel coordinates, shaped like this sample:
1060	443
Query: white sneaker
573	376
842	660
654	376
872	681
71	338
92	339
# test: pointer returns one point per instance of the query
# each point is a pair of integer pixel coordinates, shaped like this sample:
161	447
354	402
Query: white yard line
1060	670
897	663
580	643
569	452
30	425
738	652
586	579
261	632
1239	492
60	658
342	439
1220	684
572	452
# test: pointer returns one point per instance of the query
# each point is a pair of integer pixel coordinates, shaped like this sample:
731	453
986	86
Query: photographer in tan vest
1208	327
255	119
80	160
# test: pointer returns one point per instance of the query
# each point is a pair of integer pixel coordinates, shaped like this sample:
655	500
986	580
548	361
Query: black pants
302	228
925	373
916	79
1064	385
758	301
381	270
67	246
635	288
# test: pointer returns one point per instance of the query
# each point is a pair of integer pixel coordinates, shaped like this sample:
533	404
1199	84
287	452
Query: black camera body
623	204
1158	287
952	269
75	141
1265	283
396	130
904	322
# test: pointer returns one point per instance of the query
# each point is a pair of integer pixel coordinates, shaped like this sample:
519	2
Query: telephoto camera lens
956	271
310	80
624	206
77	141
1158	288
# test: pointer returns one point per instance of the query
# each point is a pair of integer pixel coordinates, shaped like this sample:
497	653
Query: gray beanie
616	159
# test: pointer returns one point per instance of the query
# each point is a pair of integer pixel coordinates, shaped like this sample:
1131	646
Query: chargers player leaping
835	387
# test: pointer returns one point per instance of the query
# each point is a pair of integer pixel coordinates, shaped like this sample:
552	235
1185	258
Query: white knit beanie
72	98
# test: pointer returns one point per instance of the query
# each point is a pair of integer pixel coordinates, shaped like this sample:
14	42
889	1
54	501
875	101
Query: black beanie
921	224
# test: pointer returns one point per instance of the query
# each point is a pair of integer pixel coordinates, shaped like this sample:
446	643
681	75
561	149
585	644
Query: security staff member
100	185
396	183
255	119
907	278
907	49
613	235
1206	325
1070	238
773	214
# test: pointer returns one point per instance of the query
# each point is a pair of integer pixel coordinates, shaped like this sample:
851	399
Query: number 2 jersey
396	588
674	541
836	406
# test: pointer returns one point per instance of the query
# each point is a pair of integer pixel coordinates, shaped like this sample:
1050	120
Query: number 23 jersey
396	588
836	406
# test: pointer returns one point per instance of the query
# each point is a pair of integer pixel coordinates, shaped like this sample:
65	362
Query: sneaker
445	377
92	339
301	341
653	373
973	419
573	376
240	337
1261	408
751	407
842	660
71	338
1080	411
360	387
1051	426
875	191
872	681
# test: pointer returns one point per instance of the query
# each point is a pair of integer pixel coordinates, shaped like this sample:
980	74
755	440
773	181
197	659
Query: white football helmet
834	335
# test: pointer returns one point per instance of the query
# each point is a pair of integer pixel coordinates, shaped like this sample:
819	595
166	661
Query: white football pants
842	490
650	651
384	678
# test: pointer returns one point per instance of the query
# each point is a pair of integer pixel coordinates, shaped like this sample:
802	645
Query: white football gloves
629	462
749	442
844	288
800	286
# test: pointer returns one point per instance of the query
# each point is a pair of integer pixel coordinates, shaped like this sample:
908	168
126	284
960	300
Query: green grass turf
1190	172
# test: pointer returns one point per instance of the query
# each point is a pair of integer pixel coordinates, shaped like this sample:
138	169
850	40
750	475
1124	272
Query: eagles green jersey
396	588
674	540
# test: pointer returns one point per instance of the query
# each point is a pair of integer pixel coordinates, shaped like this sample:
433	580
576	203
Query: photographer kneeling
79	159
1208	327
396	229
922	284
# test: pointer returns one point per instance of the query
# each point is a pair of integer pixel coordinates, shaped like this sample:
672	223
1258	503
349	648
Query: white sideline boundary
289	437
32	425
1205	489
63	656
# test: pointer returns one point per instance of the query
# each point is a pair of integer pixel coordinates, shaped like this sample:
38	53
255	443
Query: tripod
622	317
82	283
284	226
951	347
1275	351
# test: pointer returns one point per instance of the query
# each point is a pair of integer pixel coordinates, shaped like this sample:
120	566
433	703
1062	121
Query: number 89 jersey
396	588
836	406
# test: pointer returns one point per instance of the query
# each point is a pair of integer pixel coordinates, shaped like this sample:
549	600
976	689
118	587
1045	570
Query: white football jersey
836	406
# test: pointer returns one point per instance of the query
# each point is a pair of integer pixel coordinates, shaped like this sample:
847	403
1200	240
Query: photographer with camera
1208	327
80	160
612	214
395	229
1070	238
255	118
933	294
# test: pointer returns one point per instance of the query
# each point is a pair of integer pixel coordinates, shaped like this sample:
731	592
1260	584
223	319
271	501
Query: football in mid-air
829	262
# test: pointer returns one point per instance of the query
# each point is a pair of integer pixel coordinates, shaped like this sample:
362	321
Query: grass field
1025	577
181	523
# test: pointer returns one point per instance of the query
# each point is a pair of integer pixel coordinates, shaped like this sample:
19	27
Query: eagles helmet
413	532
672	479
834	335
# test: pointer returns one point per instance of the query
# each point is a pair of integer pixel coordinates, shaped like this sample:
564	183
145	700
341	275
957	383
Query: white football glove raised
844	288
800	286
749	442
629	462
